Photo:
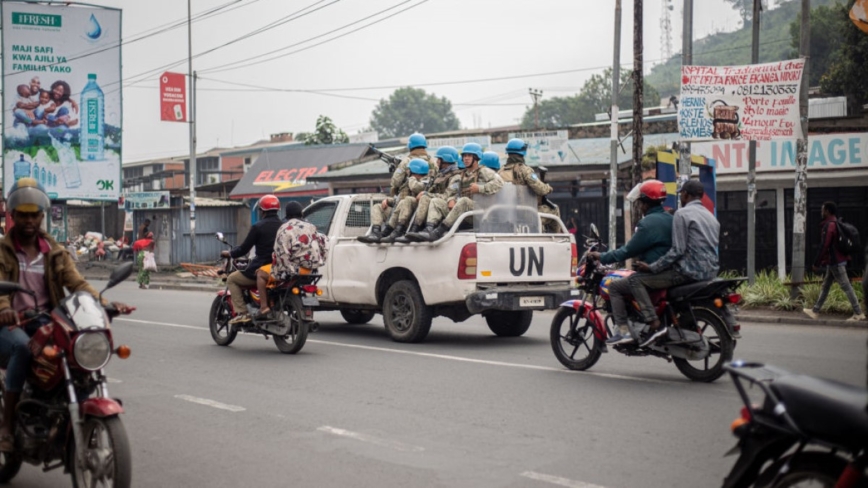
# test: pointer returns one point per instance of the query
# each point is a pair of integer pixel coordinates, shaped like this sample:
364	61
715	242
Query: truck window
358	218
320	215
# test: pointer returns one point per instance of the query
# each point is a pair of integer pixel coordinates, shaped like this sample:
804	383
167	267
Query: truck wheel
356	316
405	314
509	324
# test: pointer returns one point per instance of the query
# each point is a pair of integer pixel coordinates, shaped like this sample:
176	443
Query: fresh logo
92	117
105	185
39	20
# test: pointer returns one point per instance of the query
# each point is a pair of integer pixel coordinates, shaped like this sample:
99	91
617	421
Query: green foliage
769	291
326	133
846	70
745	8
49	151
410	110
649	159
827	33
836	301
595	97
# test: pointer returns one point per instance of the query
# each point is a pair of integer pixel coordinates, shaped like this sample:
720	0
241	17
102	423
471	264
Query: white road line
398	446
439	356
556	480
113	380
210	403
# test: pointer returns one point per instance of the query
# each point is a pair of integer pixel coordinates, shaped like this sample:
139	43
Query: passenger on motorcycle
33	259
298	249
693	256
261	236
652	239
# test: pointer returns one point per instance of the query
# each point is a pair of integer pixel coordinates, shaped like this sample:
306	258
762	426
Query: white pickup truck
503	276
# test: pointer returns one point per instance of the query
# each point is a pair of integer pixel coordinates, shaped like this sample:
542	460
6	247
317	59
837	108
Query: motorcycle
66	417
702	328
805	432
291	301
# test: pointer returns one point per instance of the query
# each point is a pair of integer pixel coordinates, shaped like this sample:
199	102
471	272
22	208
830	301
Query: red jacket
829	254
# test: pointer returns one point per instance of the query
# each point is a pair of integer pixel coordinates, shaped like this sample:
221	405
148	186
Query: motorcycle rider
261	236
416	183
652	239
515	171
693	256
417	145
475	179
30	257
444	186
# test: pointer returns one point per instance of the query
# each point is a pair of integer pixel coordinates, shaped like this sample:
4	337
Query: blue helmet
516	146
491	160
461	164
448	154
417	140
418	167
472	148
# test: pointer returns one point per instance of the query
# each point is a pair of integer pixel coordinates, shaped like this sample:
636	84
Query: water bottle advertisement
62	99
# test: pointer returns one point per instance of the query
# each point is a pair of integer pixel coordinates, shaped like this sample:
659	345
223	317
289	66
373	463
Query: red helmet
268	203
653	190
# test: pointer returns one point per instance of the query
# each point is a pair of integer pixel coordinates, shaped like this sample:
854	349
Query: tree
745	8
326	132
595	97
845	74
827	34
410	110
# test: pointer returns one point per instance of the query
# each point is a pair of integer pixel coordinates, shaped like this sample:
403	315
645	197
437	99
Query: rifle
542	177
392	161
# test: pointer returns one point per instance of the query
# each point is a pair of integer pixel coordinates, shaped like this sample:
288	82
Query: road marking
398	446
556	480
441	356
113	380
210	403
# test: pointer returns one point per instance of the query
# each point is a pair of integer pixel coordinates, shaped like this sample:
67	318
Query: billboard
62	99
757	102
144	200
173	97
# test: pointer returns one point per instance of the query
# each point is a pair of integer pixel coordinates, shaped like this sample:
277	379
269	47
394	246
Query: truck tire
356	316
405	314
509	323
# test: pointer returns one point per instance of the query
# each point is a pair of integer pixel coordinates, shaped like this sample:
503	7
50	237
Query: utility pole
637	92
801	190
192	77
686	60
613	150
751	159
535	95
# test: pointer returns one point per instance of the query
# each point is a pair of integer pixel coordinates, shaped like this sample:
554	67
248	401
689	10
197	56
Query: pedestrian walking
834	264
141	247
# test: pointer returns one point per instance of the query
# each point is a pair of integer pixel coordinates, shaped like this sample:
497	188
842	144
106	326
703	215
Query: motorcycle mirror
120	274
9	287
595	231
220	236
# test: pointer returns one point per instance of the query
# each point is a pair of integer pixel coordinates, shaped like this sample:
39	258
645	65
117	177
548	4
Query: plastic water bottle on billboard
42	177
35	174
68	163
93	129
21	168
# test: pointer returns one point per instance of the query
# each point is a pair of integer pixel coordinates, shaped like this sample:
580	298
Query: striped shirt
695	236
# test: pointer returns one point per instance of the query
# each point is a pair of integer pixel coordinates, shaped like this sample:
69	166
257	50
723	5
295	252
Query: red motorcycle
291	302
702	328
66	417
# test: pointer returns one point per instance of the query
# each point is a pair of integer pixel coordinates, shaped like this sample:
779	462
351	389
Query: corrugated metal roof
213	202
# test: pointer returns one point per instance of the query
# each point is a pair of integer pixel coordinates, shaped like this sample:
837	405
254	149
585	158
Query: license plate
532	302
309	301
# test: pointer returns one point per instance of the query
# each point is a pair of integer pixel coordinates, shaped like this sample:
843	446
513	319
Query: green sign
41	20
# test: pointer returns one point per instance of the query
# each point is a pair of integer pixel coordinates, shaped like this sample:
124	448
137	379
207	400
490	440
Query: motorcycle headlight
92	350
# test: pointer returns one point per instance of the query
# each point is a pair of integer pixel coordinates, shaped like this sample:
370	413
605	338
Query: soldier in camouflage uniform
404	209
443	187
518	173
399	189
475	179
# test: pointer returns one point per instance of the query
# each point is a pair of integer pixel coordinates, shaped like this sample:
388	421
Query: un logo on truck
530	259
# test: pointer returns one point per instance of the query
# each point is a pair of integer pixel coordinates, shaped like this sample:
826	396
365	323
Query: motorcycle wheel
573	340
10	463
218	321
292	311
713	329
109	461
808	469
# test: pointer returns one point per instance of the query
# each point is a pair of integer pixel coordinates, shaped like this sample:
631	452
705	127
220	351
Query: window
248	162
207	171
320	215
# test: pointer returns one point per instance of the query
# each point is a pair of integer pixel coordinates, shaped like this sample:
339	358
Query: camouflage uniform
518	173
443	187
400	182
489	183
405	208
298	245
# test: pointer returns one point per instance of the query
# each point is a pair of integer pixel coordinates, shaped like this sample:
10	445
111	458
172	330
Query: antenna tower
666	29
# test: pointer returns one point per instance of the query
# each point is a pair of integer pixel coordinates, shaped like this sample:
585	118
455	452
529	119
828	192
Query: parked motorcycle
291	304
66	417
805	431
702	328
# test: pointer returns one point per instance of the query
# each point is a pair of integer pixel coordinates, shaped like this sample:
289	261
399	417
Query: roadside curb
784	320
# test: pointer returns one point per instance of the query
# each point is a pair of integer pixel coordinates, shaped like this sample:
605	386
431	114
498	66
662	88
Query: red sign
173	97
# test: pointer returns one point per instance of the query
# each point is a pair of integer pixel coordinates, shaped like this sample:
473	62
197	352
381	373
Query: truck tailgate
543	258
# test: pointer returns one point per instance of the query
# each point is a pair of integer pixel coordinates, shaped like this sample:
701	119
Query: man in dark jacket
652	240
261	237
834	263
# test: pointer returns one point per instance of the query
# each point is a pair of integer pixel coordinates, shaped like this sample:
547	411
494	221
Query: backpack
848	242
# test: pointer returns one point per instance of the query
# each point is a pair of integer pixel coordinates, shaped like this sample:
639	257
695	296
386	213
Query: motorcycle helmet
268	203
27	195
652	191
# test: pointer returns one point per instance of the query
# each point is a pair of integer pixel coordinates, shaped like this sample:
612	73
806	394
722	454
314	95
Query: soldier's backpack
848	239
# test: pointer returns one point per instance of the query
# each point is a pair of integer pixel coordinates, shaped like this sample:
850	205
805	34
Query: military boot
436	234
404	239
372	237
420	236
398	232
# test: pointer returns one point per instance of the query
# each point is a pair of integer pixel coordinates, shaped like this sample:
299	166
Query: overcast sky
433	41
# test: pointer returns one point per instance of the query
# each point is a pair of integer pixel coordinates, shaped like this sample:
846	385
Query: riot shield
512	210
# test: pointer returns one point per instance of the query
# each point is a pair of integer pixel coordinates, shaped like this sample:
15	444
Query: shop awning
284	171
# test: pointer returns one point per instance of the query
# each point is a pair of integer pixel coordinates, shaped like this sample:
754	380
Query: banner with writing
753	102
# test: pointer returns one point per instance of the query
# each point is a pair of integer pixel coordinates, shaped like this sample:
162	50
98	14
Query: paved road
463	409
